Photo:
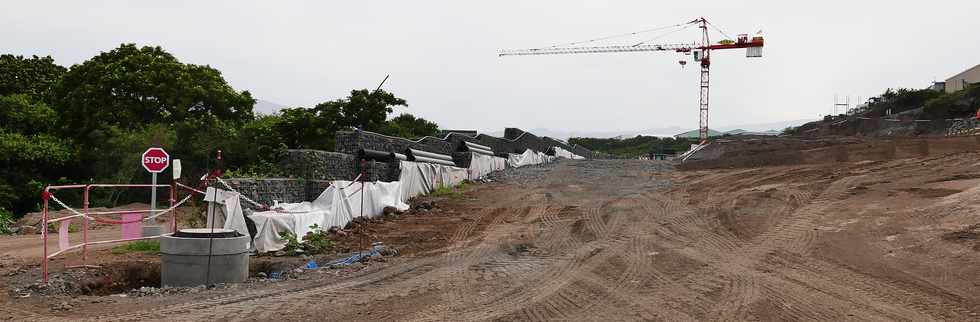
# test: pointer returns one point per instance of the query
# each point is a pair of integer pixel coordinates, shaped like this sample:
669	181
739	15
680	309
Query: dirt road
636	240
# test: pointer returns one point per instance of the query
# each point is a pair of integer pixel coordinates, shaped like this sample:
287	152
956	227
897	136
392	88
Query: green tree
132	86
314	128
20	114
962	103
30	76
409	126
304	128
363	109
25	162
901	100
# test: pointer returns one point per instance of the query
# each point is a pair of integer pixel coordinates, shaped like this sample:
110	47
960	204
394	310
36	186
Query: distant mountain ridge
663	131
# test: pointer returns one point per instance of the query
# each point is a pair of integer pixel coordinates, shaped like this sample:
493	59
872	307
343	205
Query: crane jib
625	49
701	51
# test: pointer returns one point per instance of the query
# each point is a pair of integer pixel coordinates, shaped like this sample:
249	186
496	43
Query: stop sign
155	160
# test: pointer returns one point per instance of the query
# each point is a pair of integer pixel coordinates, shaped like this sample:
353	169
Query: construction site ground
889	237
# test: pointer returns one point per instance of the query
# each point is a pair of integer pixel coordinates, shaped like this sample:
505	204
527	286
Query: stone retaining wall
323	165
265	190
352	141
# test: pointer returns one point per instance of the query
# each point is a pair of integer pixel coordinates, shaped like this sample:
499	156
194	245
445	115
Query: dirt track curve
635	240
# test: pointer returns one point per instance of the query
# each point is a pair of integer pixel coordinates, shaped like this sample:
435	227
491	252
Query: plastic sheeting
692	151
481	165
335	206
562	153
338	204
421	178
529	157
225	210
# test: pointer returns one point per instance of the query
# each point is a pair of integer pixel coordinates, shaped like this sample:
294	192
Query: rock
63	306
26	230
389	210
389	252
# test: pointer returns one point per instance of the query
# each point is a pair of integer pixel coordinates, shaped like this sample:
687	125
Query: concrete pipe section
186	255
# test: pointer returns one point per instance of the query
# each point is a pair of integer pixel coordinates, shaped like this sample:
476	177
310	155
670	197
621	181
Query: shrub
6	221
316	241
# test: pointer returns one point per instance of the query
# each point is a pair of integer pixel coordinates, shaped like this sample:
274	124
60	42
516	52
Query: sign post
155	160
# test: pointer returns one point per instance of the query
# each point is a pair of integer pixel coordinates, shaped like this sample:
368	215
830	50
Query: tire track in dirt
15	314
794	236
717	252
845	282
543	284
231	305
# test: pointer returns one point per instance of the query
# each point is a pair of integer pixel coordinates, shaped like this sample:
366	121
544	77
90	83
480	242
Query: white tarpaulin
481	165
562	153
225	210
336	206
418	178
529	157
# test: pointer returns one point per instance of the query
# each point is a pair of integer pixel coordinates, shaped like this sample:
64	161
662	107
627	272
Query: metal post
703	129
173	200
85	201
705	64
363	163
153	195
44	234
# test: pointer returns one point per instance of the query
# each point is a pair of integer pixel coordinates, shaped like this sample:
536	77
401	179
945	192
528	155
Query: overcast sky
442	55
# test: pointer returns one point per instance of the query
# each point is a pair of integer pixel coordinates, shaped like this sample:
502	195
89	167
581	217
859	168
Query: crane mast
701	52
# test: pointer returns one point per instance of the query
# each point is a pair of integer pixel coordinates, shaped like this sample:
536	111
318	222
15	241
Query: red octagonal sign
156	160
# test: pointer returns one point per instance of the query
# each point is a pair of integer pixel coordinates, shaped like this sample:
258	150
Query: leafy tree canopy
30	76
134	86
409	126
20	114
363	109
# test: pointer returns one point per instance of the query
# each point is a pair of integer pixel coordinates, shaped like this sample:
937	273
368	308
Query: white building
961	80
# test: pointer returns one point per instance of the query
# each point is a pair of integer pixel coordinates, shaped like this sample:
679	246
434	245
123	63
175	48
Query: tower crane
701	52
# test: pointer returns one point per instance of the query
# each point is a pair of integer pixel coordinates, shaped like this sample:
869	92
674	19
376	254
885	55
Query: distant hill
669	131
694	134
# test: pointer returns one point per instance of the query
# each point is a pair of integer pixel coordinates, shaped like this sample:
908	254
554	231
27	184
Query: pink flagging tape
133	225
63	234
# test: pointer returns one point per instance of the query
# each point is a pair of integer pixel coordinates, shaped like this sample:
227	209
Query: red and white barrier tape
117	222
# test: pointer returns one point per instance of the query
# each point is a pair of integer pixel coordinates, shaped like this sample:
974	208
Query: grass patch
139	246
452	192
